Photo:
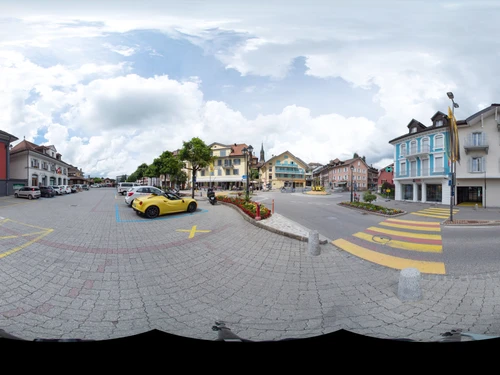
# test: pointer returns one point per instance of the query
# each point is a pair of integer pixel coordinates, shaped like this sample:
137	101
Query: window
228	172
236	171
439	123
438	163
477	164
270	169
202	173
438	141
477	139
222	152
402	168
413	147
413	130
237	162
402	148
219	162
219	172
425	145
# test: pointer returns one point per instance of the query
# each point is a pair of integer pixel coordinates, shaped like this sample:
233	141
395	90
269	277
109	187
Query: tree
198	154
166	164
355	155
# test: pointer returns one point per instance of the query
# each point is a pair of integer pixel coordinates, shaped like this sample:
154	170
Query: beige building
283	170
229	169
478	173
38	165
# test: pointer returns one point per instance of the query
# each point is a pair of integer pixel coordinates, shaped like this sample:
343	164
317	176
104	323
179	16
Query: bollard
273	208
257	215
409	285
475	206
313	242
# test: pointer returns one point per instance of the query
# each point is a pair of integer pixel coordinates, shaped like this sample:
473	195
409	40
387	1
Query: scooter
211	196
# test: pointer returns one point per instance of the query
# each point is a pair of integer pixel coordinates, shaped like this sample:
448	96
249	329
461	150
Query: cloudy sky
113	84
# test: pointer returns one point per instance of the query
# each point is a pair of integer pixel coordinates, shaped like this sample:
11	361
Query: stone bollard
409	285
475	206
313	242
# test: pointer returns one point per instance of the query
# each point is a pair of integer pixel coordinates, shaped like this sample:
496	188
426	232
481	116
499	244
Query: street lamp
453	164
352	170
247	151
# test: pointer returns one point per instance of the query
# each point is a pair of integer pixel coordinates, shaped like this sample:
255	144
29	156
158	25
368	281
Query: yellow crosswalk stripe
401	221
414	227
389	260
406	234
431	215
413	246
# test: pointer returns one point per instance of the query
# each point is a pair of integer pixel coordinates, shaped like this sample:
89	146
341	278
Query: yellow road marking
429	215
192	231
43	233
414	227
389	260
406	234
411	222
440	209
427	248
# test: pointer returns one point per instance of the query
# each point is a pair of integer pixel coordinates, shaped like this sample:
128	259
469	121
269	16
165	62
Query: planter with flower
247	206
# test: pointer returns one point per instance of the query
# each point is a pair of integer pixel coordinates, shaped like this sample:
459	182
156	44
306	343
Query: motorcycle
211	196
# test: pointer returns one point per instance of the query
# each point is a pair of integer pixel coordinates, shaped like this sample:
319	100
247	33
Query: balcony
476	142
415	152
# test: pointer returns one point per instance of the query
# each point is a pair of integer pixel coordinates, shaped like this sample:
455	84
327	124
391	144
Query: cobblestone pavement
85	266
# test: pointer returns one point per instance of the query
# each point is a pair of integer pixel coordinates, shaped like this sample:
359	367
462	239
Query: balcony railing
422	172
476	142
415	151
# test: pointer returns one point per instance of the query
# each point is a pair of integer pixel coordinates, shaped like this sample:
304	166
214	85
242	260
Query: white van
122	187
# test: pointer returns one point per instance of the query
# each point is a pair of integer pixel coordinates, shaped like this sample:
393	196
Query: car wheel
15	195
30	197
191	207
152	212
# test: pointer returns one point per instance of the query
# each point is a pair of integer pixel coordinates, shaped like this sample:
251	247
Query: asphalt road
464	250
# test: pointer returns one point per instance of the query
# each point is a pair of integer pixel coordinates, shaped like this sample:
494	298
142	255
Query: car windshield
290	169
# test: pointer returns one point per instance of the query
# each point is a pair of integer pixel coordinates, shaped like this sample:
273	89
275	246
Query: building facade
229	169
478	173
341	175
385	175
422	172
284	170
38	165
6	184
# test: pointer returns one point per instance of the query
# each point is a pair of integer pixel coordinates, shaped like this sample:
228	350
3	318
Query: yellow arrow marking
192	231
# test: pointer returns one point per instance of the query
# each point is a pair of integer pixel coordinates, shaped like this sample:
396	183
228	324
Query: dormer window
413	130
439	123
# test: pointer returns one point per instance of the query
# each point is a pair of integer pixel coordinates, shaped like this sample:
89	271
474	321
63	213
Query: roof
7	136
306	166
477	115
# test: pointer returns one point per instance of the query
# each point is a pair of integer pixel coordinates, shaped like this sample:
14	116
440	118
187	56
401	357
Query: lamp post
247	151
352	170
453	164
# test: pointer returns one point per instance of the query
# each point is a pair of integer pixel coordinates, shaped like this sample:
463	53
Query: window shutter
470	164
484	164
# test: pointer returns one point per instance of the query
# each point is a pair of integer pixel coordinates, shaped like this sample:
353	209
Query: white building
478	174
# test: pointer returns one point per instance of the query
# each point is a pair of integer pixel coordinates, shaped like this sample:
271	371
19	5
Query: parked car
73	189
85	187
66	189
123	187
30	192
140	191
153	205
57	189
47	191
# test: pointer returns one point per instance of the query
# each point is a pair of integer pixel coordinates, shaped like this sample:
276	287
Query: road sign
244	177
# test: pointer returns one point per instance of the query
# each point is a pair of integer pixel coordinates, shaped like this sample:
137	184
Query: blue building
421	168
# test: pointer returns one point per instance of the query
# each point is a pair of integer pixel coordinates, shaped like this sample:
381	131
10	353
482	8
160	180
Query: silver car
30	192
140	191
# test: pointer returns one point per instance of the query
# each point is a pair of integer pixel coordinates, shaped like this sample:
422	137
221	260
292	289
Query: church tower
262	153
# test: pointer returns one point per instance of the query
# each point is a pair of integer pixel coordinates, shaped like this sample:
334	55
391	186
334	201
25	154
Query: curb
270	229
371	212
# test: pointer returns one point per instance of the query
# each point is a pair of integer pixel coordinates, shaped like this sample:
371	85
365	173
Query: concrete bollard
313	242
409	285
475	206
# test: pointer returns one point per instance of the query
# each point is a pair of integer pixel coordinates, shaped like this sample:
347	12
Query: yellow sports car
154	205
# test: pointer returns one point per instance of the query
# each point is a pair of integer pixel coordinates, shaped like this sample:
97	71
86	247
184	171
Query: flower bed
250	208
370	207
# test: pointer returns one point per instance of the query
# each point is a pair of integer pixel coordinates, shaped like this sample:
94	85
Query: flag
454	152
